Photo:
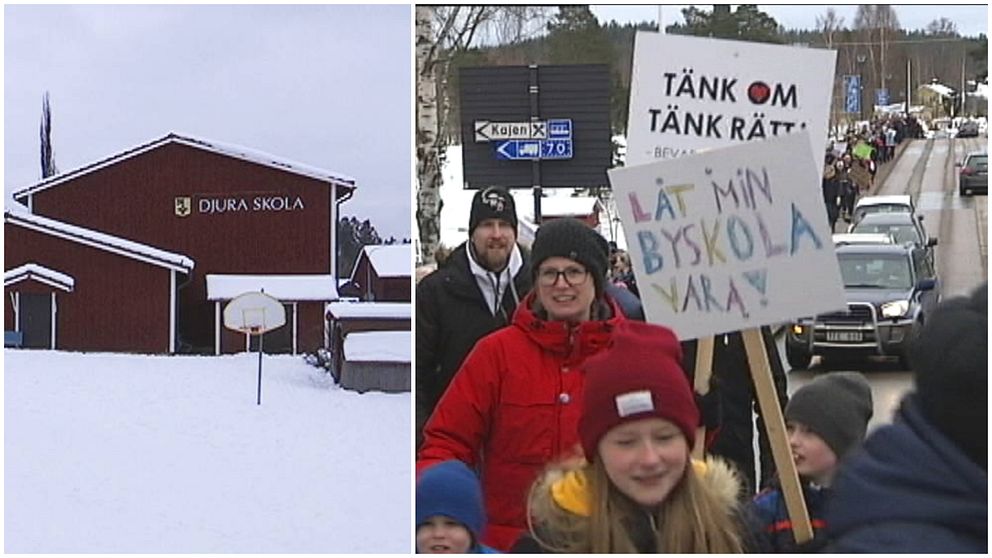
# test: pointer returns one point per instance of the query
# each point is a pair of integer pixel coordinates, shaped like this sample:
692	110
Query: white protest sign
688	93
731	238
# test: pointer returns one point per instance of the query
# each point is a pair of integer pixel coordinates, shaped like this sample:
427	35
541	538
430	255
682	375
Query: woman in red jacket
513	406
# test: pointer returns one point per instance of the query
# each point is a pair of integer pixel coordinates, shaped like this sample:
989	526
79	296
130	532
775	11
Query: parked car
890	290
974	174
883	204
968	130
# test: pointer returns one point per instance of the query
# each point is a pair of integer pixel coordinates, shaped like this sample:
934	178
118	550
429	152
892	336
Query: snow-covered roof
897	199
982	90
558	206
96	239
222	148
392	260
383	310
281	287
377	346
939	88
39	273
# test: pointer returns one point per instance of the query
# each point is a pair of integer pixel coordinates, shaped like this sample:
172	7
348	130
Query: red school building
118	251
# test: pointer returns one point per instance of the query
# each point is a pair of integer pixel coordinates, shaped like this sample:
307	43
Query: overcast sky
329	86
970	20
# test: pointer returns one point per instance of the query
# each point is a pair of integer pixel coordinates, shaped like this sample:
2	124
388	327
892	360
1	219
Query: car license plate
844	336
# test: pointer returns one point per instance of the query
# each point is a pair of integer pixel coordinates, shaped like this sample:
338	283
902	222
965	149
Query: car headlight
895	309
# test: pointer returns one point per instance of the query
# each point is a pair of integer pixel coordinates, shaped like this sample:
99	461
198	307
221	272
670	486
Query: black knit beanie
492	203
570	238
950	359
836	407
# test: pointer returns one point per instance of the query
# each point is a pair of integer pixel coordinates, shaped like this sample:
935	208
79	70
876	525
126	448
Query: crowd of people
851	164
551	418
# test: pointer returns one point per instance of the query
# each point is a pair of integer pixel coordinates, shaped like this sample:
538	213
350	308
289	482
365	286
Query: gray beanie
835	406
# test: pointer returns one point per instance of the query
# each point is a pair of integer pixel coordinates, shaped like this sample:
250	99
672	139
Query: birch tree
829	25
877	20
441	33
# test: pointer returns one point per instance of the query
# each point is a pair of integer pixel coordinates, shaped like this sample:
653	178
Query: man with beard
471	294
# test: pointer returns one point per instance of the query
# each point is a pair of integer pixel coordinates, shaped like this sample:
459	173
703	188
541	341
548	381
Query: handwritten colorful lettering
729	239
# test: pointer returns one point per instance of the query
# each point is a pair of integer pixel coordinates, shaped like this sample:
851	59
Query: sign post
731	240
255	313
535	127
852	94
715	245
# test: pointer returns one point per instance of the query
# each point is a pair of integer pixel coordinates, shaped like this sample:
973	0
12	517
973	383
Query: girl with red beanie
637	489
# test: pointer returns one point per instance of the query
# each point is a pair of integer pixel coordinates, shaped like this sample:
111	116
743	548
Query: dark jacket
735	404
451	317
771	527
831	191
909	490
514	407
630	305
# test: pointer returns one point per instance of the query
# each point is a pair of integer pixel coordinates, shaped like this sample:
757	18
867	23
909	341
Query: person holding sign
514	406
826	419
921	484
638	490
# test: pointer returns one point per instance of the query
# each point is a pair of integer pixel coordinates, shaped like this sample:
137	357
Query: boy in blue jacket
825	420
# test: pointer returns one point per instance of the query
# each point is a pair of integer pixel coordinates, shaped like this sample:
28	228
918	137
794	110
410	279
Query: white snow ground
110	453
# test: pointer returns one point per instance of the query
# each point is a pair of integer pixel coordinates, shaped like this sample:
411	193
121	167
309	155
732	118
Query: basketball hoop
254	314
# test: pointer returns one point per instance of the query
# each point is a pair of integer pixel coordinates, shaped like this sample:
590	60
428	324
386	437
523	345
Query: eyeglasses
574	276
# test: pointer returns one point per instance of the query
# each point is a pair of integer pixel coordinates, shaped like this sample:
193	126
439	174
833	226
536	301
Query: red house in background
583	208
233	211
382	273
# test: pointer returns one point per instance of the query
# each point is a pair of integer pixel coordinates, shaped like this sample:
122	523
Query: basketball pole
261	337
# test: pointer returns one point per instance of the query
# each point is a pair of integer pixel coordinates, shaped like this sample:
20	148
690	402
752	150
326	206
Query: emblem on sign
183	206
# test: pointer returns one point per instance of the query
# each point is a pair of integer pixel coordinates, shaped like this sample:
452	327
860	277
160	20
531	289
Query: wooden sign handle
764	387
701	384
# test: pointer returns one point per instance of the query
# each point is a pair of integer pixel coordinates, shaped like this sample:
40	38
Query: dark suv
974	174
968	130
890	290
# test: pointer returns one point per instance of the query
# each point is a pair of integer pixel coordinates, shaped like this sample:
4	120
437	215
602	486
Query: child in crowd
637	489
450	515
825	419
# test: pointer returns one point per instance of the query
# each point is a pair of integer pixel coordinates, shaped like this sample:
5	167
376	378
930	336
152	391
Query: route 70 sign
526	150
550	139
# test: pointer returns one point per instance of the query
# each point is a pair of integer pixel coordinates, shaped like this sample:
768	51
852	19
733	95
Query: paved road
960	225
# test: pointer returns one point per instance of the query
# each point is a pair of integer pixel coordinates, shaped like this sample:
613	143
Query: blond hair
698	516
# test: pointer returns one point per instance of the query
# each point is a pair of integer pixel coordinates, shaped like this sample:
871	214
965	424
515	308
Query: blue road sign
560	128
518	150
882	97
852	94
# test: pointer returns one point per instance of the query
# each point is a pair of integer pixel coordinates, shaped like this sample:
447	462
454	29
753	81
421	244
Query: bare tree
877	22
48	167
442	32
829	25
942	27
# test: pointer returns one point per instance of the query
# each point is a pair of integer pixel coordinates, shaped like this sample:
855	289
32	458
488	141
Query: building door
35	316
